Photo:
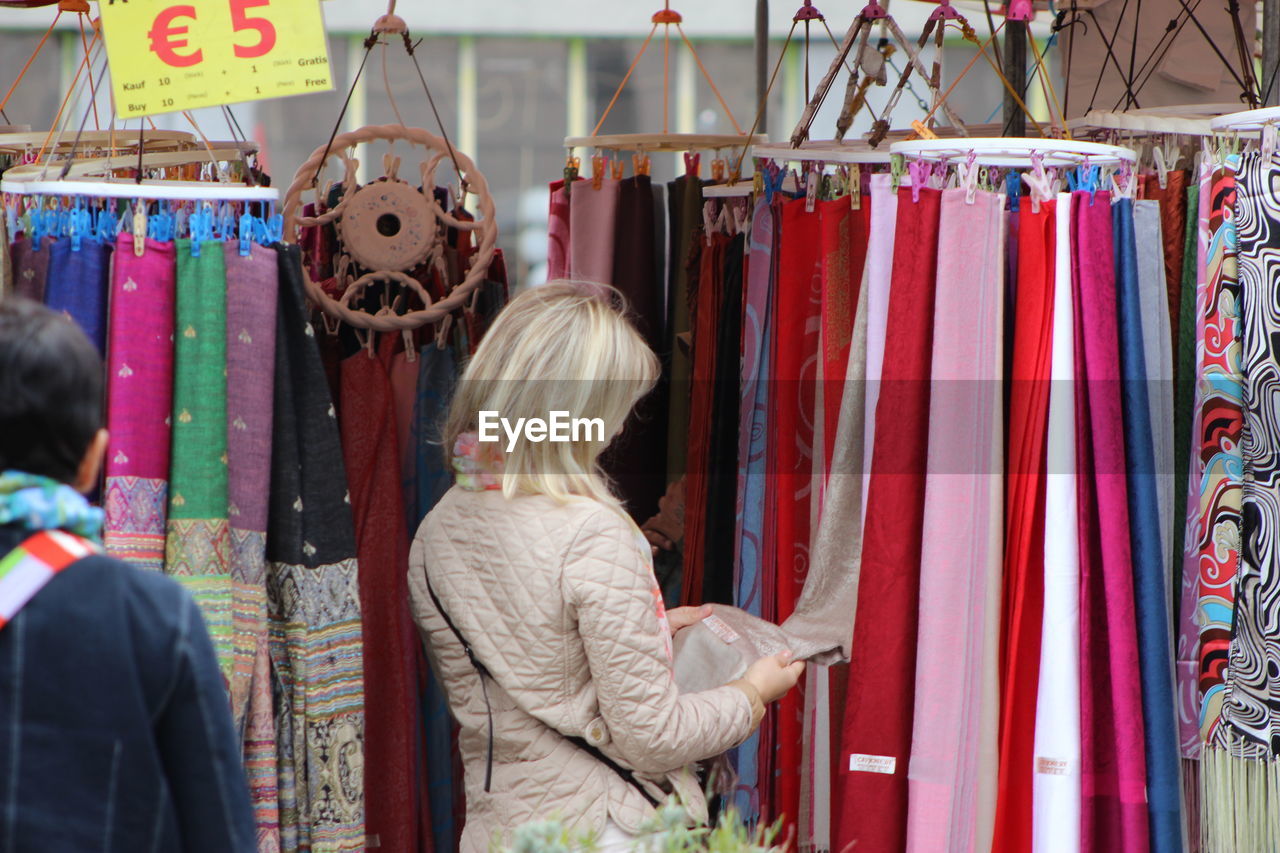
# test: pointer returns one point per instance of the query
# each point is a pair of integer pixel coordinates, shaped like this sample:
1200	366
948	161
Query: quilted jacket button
597	734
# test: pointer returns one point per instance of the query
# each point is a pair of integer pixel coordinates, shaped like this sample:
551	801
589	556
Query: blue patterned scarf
40	503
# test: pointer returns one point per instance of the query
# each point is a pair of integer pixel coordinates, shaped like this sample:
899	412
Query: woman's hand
774	675
683	617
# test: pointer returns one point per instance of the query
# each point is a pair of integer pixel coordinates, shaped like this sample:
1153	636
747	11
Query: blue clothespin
1013	186
201	224
77	225
773	180
226	222
107	227
246	234
37	228
275	229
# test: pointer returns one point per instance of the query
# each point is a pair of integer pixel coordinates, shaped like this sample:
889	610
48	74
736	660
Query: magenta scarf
139	402
1113	796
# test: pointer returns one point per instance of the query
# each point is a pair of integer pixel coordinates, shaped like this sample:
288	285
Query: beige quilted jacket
558	601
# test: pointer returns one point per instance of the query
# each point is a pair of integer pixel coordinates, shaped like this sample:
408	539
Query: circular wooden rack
484	228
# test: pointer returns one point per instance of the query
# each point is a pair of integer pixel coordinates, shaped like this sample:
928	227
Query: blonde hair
563	346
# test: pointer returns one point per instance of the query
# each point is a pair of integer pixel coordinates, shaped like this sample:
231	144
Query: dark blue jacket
115	731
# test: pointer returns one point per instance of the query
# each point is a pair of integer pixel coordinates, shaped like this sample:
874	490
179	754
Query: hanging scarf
753	479
77	285
1187	473
953	774
799	308
1218	535
1055	820
1148	568
314	617
38	503
139	402
1252	684
872	777
1113	805
1024	523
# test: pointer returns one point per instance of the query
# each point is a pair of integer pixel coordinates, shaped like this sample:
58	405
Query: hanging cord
1071	46
625	78
1109	43
1162	48
409	46
724	106
75	144
70	91
782	55
84	43
386	83
142	144
368	46
971	36
39	46
1046	81
991	28
746	145
1097	83
242	143
1133	55
1245	55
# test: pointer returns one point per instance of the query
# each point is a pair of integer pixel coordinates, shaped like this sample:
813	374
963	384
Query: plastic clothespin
920	174
246	234
572	166
81	224
597	171
812	184
970	179
104	227
774	177
896	170
692	164
275	228
640	163
139	229
617	169
1269	138
1162	167
854	178
1013	189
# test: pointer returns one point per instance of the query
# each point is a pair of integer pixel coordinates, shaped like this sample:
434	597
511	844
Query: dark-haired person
115	731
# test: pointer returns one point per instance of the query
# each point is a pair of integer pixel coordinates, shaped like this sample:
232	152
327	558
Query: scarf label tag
721	629
1052	766
885	764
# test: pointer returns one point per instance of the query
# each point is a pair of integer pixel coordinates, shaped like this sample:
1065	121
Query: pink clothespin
970	181
692	164
920	172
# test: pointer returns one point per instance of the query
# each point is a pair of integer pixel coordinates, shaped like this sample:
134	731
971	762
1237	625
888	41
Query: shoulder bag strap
483	672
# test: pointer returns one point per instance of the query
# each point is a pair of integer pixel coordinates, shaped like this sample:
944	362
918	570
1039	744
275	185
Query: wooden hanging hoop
485	229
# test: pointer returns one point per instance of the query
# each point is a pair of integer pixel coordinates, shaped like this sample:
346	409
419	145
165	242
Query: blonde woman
535	594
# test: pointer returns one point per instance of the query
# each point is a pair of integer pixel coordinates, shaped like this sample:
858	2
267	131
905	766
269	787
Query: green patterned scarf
41	503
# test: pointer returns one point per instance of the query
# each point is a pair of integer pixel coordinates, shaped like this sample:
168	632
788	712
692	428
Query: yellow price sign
166	56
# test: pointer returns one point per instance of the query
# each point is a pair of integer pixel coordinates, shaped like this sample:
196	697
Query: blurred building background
513	78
